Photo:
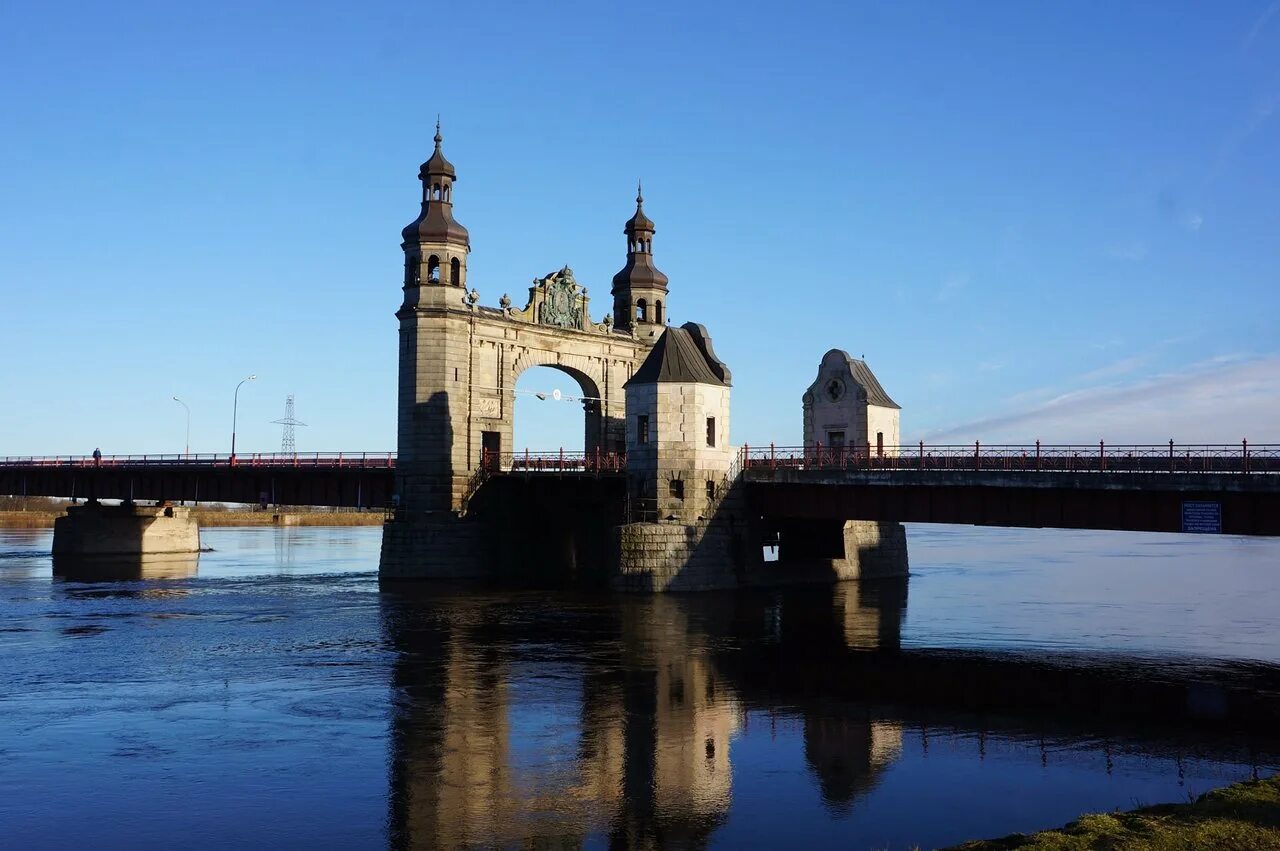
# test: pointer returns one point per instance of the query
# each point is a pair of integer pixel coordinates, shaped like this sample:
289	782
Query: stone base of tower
437	548
703	556
817	551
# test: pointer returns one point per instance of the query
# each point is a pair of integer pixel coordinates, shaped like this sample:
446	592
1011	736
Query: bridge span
1232	489
1229	489
340	479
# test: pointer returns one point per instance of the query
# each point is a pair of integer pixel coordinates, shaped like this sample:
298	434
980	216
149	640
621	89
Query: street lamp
187	448
235	404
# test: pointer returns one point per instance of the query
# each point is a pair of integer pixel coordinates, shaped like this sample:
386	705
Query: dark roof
435	224
875	393
639	221
703	339
437	164
676	357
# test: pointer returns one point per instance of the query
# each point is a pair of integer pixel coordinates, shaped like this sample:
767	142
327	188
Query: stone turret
678	425
435	245
640	289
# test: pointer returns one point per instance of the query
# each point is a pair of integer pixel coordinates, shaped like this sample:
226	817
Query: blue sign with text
1205	517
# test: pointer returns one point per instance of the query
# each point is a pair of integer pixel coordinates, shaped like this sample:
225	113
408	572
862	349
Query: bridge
1235	489
659	498
346	479
1229	489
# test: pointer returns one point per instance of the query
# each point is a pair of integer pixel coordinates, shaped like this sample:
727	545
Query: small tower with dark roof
678	451
435	245
640	290
846	407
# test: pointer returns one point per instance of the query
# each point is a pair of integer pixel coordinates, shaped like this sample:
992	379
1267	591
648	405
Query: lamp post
186	451
235	404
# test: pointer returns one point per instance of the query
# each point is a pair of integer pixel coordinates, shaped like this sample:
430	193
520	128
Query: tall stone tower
640	290
435	321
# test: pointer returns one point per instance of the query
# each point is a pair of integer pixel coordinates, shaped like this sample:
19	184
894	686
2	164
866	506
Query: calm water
272	694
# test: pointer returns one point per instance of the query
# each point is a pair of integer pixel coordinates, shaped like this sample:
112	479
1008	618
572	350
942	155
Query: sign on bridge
1203	517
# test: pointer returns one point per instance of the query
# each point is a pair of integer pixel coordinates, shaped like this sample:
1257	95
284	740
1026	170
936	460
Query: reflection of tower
651	764
287	424
870	612
680	716
848	754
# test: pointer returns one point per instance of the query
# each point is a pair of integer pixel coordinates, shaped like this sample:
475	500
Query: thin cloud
1260	23
1134	250
950	286
1124	366
1223	400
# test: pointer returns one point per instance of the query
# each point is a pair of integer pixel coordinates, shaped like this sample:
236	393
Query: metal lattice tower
287	424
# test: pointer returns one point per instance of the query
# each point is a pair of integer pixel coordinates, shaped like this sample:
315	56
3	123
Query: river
270	693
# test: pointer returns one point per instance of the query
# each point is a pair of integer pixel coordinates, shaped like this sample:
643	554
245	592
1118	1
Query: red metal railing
557	461
382	460
1100	457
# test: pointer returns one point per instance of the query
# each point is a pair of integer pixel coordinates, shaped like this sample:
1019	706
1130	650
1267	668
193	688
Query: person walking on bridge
97	457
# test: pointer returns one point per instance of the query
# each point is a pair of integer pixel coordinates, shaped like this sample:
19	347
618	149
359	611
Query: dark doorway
491	449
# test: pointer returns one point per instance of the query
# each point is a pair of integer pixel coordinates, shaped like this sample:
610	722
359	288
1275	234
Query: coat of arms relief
559	301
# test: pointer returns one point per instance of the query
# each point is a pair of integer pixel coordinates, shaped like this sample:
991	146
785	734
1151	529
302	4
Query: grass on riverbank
210	518
1243	816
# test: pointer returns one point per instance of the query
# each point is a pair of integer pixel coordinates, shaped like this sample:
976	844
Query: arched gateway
459	360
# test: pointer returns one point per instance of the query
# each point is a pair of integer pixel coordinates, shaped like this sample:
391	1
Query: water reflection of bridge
484	754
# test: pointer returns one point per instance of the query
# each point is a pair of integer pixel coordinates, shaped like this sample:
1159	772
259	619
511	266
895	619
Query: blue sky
1036	221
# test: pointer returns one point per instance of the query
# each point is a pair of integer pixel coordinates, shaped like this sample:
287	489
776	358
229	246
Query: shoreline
1242	815
216	518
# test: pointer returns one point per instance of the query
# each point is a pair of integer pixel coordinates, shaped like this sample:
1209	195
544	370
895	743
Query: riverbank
1241	816
209	518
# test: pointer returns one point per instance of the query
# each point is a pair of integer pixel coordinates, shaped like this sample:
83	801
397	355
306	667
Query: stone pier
94	529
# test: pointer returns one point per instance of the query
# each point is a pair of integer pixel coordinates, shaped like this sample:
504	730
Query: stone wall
886	421
436	548
705	556
677	448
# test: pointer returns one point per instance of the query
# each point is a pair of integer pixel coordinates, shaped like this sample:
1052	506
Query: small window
711	491
642	311
835	439
455	272
711	431
433	269
642	429
880	443
677	488
657	312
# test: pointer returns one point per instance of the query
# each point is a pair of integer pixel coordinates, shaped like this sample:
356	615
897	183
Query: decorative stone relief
558	301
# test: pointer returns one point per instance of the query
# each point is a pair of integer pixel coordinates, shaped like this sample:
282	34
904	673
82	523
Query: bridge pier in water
818	550
94	529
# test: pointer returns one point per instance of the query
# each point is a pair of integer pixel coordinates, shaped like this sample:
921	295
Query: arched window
455	272
435	191
657	312
448	192
642	311
433	269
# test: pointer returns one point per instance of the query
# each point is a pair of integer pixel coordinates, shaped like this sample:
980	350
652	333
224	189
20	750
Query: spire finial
639	194
438	138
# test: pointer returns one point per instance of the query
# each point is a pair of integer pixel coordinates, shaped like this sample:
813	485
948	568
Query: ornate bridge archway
460	361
